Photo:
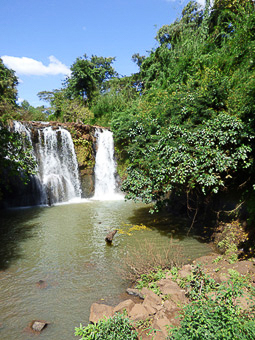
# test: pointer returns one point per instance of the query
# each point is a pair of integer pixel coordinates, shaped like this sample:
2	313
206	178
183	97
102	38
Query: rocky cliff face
84	144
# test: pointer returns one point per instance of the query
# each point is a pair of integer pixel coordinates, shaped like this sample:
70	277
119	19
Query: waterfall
57	178
105	167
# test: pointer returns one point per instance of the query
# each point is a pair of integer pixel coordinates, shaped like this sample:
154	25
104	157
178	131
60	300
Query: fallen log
110	235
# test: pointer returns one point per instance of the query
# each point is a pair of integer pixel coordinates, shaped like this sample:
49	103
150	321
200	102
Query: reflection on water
64	246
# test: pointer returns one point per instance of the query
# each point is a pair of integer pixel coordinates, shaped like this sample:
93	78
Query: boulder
243	267
38	325
173	317
124	305
167	286
145	291
99	311
161	327
185	271
152	303
169	305
176	294
135	292
138	312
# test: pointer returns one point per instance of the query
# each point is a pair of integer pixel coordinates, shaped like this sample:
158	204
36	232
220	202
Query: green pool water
64	246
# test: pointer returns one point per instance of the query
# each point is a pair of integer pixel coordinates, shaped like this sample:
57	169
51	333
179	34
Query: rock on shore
162	311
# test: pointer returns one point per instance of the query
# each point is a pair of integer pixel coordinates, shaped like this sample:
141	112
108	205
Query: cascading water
57	174
105	167
57	178
58	167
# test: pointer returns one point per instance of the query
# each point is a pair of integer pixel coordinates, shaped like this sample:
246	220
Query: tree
232	5
225	14
205	159
138	59
190	21
8	91
192	130
88	76
15	153
28	112
65	109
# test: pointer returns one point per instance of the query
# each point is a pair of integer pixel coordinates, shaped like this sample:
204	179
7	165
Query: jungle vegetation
184	124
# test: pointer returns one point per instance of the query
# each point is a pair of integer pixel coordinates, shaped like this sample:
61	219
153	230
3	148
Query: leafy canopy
88	76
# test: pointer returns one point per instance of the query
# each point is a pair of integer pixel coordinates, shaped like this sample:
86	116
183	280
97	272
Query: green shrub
216	318
117	327
150	280
197	284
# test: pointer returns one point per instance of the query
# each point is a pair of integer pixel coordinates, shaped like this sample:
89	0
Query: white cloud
28	66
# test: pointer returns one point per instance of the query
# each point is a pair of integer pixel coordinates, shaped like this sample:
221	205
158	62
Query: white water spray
57	178
58	166
105	167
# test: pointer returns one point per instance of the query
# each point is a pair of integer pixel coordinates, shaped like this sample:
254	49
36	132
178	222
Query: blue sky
41	39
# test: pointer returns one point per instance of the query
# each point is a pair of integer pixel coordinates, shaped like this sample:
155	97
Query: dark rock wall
84	144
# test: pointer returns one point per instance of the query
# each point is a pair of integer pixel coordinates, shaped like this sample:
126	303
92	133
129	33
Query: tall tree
190	20
29	112
88	76
232	5
8	90
65	109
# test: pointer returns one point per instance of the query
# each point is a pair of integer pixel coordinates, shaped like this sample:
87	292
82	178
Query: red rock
161	326
185	271
38	325
169	305
99	311
138	312
176	294
124	305
152	303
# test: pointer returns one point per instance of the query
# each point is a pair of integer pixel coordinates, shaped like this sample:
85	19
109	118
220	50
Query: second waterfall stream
105	167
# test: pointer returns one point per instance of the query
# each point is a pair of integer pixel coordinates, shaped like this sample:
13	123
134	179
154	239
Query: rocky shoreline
161	312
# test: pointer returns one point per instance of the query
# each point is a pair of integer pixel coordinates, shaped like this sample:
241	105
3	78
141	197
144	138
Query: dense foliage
117	327
191	132
204	158
184	124
16	158
15	153
214	313
8	91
